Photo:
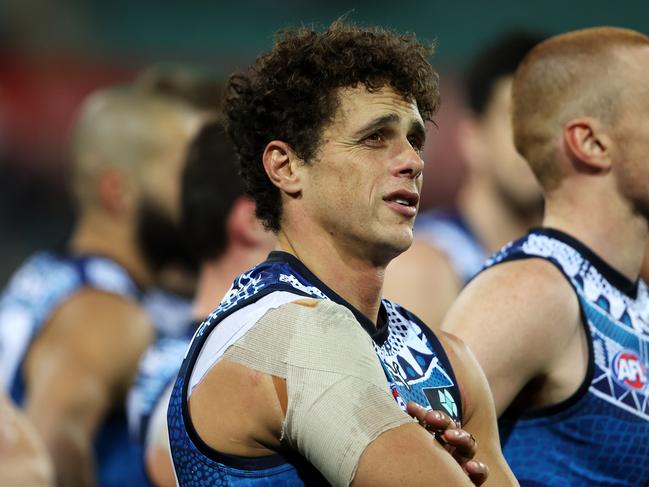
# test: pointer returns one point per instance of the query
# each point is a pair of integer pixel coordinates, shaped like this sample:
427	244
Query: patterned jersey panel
416	369
416	366
600	436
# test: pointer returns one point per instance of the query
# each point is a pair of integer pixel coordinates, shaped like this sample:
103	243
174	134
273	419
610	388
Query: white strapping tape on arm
338	396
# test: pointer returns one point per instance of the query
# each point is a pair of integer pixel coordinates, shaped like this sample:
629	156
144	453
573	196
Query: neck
605	223
355	279
100	234
493	220
216	276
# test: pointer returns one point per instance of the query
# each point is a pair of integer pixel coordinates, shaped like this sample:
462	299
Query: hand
459	443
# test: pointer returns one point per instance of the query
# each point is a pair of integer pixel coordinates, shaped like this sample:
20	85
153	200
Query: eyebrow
391	118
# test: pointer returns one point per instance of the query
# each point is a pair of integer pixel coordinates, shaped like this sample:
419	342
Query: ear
281	163
115	191
587	142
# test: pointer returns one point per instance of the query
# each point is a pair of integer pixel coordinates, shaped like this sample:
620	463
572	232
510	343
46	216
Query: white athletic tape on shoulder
338	397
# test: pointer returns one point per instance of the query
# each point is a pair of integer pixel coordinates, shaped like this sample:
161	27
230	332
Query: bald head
578	74
124	129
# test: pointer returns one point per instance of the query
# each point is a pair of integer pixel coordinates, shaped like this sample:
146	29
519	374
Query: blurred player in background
71	327
169	302
559	320
499	201
227	239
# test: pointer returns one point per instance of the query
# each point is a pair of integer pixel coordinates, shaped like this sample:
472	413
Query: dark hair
290	94
210	186
500	58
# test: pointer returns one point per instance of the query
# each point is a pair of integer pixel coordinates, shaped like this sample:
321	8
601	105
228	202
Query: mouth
403	202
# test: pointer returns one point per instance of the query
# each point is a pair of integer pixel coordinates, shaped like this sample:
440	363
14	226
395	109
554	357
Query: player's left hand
459	443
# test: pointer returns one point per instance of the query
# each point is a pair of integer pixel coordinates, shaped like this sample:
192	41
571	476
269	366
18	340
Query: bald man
71	327
559	319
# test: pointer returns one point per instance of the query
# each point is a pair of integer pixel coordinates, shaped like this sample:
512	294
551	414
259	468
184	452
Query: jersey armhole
582	390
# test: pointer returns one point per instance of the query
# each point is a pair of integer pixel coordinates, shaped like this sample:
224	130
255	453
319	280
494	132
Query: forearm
408	455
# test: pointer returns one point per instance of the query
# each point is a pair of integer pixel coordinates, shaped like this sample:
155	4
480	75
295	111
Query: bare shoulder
525	290
420	258
95	311
423	280
103	332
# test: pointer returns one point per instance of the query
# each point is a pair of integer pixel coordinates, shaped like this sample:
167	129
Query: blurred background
53	53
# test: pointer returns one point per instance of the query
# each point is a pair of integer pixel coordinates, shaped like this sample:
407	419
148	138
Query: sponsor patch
628	370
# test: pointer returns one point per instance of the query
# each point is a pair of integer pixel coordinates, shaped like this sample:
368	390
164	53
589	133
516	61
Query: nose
409	163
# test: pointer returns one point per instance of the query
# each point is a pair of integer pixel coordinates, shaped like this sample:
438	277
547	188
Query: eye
416	143
375	138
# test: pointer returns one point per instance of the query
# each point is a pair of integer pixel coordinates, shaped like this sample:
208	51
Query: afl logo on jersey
629	370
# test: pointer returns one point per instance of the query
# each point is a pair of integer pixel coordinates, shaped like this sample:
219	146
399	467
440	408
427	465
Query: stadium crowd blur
41	94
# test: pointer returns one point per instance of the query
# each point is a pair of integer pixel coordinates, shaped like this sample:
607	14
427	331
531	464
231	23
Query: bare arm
23	459
422	280
77	370
478	410
521	320
415	457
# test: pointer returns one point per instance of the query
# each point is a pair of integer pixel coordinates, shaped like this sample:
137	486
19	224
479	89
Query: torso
415	365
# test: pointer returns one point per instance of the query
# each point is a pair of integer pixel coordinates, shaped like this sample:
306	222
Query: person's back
71	325
559	319
499	200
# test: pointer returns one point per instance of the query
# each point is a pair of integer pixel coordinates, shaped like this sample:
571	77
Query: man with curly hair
302	373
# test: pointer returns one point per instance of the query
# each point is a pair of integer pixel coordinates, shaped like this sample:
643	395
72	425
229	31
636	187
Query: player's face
631	162
364	183
502	165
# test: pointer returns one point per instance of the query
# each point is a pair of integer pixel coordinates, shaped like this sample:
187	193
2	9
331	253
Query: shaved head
578	74
125	129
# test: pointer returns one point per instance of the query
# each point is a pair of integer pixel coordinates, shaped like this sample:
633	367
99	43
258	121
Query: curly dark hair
291	93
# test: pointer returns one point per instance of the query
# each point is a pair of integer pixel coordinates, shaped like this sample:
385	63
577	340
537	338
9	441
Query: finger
464	443
477	472
431	420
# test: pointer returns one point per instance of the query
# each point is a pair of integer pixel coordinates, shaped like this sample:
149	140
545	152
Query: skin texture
23	458
340	219
80	365
500	200
521	319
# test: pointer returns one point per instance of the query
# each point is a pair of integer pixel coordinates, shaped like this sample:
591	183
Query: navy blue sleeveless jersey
414	362
600	435
33	293
451	234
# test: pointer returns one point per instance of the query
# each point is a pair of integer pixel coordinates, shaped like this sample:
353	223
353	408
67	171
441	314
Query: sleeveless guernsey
600	435
414	362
